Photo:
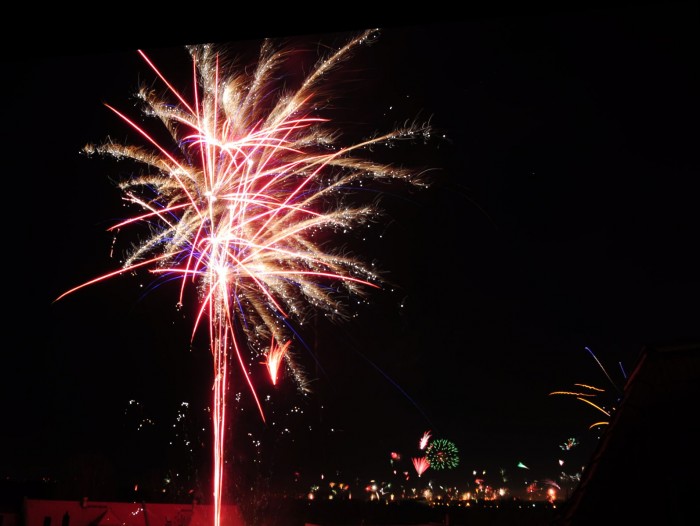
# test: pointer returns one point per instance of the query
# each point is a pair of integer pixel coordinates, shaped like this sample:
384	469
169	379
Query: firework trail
275	356
237	209
590	391
424	440
603	369
583	397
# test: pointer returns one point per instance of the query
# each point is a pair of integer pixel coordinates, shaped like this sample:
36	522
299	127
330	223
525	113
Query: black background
562	215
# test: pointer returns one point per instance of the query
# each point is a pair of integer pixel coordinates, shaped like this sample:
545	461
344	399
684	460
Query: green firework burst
442	454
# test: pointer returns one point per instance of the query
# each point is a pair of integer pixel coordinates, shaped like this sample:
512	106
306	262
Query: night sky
562	216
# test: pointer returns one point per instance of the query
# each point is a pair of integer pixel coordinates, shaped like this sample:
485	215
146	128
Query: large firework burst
235	207
442	454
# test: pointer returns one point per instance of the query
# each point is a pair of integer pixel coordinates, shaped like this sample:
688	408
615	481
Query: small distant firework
421	464
522	466
395	458
550	482
442	454
424	440
275	357
571	477
569	444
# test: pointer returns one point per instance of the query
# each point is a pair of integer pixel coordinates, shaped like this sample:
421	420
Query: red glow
421	465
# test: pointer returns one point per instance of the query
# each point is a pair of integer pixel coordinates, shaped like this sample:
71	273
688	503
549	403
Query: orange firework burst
237	211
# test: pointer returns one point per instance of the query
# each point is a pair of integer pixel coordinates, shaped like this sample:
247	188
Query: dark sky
562	215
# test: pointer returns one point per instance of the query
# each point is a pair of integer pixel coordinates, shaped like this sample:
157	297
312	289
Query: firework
583	397
421	464
550	482
274	359
238	212
569	444
424	440
442	454
589	391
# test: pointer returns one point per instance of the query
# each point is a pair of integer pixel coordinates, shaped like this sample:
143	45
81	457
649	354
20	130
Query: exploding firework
424	440
569	444
236	207
442	454
421	464
274	359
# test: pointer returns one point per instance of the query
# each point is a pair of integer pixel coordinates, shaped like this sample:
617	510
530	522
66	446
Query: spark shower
239	204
